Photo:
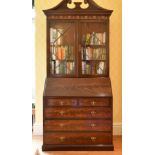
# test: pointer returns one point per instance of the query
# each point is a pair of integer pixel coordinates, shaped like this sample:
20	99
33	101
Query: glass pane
94	38
93	48
62	51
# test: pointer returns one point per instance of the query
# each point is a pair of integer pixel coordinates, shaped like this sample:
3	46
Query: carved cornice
63	9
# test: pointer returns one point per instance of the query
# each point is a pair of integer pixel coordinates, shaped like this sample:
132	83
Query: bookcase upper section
77	40
91	9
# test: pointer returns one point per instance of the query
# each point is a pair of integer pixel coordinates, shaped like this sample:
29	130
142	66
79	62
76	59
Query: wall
115	53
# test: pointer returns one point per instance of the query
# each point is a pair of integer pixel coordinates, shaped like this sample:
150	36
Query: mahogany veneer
81	121
77	100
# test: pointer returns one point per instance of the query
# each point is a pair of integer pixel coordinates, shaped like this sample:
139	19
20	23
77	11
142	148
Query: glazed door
62	49
93	43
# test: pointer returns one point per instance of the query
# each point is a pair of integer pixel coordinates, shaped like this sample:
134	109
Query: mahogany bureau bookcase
77	99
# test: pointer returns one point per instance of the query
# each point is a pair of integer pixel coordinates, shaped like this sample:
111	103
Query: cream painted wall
115	53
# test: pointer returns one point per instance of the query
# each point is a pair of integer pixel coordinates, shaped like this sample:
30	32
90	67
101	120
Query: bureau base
77	147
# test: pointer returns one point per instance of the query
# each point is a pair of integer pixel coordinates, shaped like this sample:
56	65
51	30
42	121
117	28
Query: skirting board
38	129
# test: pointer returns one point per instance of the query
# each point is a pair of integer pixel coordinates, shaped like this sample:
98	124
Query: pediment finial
73	4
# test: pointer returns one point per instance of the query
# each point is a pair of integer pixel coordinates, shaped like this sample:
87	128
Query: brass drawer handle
93	125
61	112
93	112
61	125
93	138
93	103
61	103
62	139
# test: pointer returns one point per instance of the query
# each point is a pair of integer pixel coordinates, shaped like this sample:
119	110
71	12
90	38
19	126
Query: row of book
93	69
94	38
89	53
62	53
62	67
56	36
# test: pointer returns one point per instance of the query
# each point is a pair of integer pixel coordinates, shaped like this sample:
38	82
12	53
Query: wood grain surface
78	125
78	87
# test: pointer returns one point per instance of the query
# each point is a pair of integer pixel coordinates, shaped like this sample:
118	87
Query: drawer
77	125
78	138
84	112
61	102
95	102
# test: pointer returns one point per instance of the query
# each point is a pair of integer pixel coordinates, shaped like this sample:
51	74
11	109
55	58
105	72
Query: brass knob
61	112
61	103
93	138
93	125
62	139
93	112
93	103
61	125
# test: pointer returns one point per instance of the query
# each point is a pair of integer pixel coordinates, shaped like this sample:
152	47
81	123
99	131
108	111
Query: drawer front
95	102
87	112
78	125
61	102
78	138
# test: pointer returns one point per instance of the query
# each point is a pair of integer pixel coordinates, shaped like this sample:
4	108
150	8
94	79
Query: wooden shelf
95	60
63	60
62	45
94	46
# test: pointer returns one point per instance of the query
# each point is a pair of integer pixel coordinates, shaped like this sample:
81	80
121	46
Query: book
103	54
104	37
56	36
57	66
83	68
58	53
62	53
61	68
52	63
87	54
86	67
100	68
70	68
53	53
59	36
52	35
88	37
94	38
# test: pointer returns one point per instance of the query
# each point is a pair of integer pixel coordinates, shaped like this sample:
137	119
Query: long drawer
78	138
79	102
79	112
77	125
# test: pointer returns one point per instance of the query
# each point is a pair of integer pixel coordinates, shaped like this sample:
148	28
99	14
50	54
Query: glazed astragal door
62	62
93	48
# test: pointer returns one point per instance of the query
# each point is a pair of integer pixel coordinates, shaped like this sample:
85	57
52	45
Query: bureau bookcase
77	99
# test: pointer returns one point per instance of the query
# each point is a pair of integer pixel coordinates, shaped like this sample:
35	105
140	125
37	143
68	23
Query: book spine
82	67
59	53
104	37
53	53
72	68
62	53
87	54
68	67
52	63
52	35
82	53
57	67
101	67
